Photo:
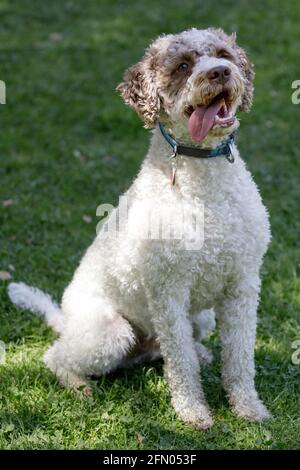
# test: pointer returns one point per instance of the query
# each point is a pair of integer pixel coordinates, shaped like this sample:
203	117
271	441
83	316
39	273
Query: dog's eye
183	67
224	54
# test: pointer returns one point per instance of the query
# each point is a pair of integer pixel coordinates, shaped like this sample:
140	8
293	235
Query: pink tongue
202	119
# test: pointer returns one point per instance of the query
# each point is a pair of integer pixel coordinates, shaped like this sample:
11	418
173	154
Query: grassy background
68	144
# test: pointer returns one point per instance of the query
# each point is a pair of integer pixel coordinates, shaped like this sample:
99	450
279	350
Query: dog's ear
248	73
139	91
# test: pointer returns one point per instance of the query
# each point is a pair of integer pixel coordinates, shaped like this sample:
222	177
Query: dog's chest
235	233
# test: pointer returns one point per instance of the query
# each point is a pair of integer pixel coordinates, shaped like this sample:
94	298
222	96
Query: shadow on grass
139	392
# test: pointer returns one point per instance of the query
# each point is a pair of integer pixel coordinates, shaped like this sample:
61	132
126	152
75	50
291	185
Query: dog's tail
38	302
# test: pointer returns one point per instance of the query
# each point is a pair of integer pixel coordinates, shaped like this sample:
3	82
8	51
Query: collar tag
173	160
230	155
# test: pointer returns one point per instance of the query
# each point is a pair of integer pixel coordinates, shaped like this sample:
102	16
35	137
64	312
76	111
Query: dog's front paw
198	416
251	408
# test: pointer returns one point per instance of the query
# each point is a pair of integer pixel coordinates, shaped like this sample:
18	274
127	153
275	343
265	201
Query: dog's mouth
203	118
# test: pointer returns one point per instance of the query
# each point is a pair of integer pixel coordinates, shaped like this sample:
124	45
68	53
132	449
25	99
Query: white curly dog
136	296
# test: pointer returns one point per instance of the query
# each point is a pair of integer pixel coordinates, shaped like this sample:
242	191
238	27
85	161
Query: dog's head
194	82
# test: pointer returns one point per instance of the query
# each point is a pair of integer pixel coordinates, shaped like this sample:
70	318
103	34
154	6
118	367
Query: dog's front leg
237	332
168	308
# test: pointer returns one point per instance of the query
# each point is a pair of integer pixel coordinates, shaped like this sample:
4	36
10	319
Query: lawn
68	144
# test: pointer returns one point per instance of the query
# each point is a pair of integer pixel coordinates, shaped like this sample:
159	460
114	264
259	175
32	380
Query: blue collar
225	149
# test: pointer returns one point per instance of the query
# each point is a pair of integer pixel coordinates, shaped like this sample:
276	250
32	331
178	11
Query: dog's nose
220	74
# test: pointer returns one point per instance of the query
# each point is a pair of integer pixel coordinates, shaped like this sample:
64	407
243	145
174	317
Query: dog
136	297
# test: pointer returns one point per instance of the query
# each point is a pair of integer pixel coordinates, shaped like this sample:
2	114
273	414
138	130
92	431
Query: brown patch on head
174	70
139	89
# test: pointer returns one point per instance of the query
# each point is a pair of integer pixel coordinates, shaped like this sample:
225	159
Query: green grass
68	144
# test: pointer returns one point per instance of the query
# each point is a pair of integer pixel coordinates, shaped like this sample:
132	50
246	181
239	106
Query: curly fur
136	297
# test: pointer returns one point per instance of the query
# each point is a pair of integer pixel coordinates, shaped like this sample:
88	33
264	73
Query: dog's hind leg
66	377
93	342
